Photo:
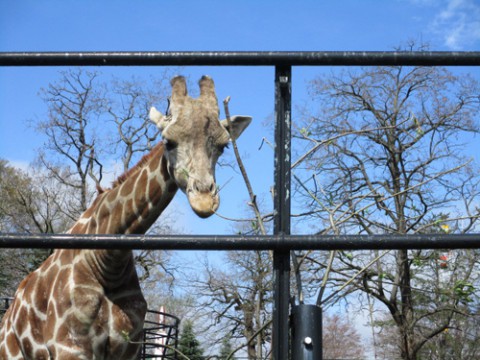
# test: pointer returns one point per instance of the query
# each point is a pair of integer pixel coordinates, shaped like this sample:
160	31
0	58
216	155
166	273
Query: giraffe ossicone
87	304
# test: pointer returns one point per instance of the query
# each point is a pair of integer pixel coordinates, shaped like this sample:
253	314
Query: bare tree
239	298
129	107
458	341
71	151
388	156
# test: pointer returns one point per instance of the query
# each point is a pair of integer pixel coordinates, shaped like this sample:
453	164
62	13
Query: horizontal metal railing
241	58
239	242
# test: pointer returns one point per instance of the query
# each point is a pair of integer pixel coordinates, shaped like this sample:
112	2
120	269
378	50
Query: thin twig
328	270
336	137
253	197
265	218
333	252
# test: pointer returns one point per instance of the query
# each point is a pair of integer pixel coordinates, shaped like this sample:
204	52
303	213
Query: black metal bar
282	172
238	242
281	200
245	58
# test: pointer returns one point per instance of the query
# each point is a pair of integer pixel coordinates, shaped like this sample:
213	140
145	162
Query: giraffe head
194	139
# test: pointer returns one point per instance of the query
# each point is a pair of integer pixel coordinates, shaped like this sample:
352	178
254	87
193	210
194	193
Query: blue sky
213	25
141	25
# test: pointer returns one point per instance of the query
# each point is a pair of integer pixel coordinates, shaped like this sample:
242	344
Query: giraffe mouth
203	204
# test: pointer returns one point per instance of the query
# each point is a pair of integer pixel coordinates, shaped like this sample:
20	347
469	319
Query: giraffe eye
170	145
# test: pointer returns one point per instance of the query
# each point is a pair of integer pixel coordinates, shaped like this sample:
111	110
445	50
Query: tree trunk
407	335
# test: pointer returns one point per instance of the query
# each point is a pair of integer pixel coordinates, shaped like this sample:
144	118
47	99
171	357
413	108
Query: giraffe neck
131	206
134	202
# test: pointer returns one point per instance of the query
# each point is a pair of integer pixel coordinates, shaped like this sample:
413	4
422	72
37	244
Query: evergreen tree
188	343
226	349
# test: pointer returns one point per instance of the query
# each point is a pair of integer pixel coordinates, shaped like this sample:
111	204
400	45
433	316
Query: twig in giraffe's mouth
220	188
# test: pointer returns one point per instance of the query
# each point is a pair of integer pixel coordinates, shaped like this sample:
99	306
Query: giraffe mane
138	166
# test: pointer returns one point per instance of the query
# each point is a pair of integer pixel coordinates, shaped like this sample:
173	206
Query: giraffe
87	304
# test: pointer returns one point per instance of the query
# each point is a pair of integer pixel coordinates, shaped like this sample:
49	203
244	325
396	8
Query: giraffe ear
238	124
158	118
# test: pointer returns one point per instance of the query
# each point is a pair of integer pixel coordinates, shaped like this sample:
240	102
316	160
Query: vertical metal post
307	332
281	259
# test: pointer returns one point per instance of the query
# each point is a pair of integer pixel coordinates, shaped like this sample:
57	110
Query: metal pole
281	258
306	332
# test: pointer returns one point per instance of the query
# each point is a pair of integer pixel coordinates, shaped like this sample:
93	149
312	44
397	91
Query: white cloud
458	24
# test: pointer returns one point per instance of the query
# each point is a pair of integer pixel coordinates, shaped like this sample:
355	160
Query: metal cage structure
160	336
281	242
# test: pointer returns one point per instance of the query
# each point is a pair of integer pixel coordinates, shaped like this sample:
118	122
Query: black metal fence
160	336
281	242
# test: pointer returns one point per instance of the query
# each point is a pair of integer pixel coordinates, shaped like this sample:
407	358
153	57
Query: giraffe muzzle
204	204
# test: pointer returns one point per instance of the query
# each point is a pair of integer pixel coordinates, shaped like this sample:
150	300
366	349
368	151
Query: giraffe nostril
195	187
212	188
